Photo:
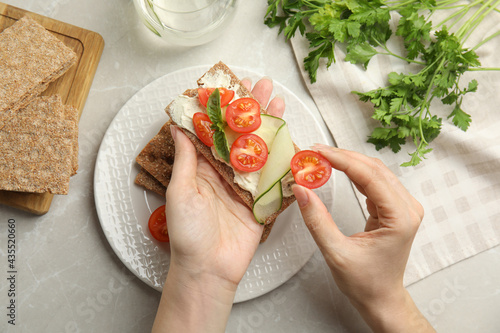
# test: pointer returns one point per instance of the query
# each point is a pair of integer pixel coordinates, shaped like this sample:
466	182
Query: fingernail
301	195
322	147
319	145
280	96
267	78
173	131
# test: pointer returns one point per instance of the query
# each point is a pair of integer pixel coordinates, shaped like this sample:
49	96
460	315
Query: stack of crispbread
38	134
156	161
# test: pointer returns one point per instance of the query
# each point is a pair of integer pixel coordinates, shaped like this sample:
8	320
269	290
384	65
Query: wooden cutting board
73	86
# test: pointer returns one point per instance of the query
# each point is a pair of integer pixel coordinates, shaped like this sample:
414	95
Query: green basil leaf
221	146
213	108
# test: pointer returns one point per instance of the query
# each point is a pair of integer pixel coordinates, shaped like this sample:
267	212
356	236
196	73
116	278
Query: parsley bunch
363	27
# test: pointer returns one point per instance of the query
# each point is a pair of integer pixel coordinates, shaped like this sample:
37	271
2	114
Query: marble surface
69	279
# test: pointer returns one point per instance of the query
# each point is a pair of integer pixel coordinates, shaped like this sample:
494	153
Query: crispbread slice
71	114
225	170
36	158
43	106
56	128
30	58
157	158
149	182
51	107
8	114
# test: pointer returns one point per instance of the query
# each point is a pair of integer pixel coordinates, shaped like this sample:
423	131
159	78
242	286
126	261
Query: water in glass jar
186	22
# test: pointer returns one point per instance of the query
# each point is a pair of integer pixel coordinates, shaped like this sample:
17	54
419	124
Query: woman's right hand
368	266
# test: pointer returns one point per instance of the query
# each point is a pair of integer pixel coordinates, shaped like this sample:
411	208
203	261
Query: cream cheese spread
219	79
182	110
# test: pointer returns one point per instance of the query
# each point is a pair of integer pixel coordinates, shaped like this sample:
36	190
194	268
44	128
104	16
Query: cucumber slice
268	203
269	196
274	132
267	130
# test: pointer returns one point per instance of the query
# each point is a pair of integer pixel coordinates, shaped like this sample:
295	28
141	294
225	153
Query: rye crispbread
71	114
51	107
157	158
149	182
36	155
225	170
30	58
43	106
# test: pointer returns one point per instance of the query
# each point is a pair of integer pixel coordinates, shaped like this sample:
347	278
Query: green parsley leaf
472	86
324	48
360	54
460	119
418	155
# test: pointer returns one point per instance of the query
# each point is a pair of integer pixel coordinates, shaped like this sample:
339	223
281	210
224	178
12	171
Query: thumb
185	161
317	218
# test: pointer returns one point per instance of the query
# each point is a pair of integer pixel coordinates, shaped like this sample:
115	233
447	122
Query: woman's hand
368	267
212	231
213	236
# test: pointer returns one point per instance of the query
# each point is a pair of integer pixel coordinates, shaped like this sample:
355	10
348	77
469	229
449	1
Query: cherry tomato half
226	96
248	153
202	124
310	169
243	115
158	225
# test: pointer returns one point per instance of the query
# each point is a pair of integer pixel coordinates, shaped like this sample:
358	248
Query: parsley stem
313	5
396	55
426	102
477	21
306	12
480	69
452	5
471	24
389	53
461	13
394	5
485	40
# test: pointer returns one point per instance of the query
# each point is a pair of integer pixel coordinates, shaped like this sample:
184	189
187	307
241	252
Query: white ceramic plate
124	208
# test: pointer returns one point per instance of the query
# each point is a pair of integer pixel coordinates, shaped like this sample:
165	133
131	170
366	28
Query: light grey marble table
70	280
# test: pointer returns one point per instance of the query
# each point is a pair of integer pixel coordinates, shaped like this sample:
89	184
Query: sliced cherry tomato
158	225
226	96
248	153
310	169
243	115
202	124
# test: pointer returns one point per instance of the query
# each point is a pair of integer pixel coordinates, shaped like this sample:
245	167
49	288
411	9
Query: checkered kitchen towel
458	184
